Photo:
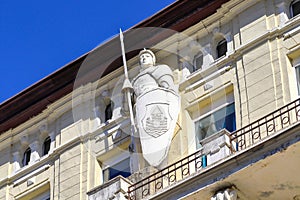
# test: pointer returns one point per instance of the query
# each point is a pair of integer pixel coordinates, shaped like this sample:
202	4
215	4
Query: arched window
46	146
26	157
221	48
108	111
197	62
295	8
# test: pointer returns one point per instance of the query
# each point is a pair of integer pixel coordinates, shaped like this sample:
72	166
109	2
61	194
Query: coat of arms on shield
157	113
155	123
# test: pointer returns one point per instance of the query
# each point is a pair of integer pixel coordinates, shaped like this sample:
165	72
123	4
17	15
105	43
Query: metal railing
167	176
242	139
266	126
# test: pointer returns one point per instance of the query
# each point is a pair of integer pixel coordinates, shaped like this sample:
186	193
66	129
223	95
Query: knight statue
157	107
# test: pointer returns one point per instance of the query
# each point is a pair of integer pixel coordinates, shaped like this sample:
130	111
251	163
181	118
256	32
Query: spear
126	88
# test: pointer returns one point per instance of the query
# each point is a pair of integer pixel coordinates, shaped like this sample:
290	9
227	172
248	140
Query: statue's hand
164	84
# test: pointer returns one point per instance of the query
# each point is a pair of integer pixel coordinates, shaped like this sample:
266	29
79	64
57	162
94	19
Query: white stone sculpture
157	107
228	194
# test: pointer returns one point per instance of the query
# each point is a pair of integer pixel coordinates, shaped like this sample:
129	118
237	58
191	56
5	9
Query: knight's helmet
149	52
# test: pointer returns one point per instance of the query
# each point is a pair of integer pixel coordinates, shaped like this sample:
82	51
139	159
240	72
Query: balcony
267	126
235	151
227	161
113	189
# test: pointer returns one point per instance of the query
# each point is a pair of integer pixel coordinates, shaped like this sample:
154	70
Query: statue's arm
167	82
165	77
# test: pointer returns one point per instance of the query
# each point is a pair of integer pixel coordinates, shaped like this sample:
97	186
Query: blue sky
39	37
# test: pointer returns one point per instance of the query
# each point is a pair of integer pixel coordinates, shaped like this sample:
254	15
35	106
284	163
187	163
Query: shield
156	114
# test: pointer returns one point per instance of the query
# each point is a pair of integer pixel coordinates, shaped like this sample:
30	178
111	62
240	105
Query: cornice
178	16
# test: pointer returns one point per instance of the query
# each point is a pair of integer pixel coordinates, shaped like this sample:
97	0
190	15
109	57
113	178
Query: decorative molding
43	128
24	138
227	194
34	146
30	175
16	161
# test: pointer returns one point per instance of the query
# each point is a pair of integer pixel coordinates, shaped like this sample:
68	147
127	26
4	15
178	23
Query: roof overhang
30	102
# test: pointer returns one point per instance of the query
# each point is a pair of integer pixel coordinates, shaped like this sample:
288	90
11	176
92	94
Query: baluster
281	119
174	175
189	162
289	115
134	194
158	182
168	175
146	192
196	162
270	127
244	140
297	111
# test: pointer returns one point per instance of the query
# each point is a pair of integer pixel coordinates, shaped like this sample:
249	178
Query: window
46	146
295	60
297	68
223	118
108	111
296	65
295	8
122	168
26	157
197	62
43	196
221	48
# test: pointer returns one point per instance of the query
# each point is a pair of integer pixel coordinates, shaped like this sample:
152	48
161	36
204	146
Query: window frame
108	178
26	157
221	42
43	196
109	106
228	100
195	67
291	8
114	159
47	139
296	65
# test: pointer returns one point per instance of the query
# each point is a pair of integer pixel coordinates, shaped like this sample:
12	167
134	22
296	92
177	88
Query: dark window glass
26	157
221	48
122	168
46	146
297	68
108	111
295	8
198	62
221	119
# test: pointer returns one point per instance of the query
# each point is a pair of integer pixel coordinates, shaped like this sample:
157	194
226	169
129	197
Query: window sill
30	170
28	173
199	77
102	132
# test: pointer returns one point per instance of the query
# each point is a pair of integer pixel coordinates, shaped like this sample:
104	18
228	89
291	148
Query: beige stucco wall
257	68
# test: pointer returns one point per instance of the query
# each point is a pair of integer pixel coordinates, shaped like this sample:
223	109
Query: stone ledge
116	188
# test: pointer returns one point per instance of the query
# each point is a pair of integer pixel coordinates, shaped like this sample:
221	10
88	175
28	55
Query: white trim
31	174
31	190
296	66
212	93
212	111
115	160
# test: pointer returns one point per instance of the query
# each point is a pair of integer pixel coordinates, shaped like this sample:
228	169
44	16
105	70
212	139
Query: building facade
236	66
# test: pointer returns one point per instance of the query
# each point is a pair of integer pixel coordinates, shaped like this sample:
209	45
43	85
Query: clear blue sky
39	37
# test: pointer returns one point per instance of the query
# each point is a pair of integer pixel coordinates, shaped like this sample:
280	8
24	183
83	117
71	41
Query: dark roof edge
33	100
